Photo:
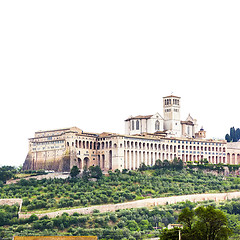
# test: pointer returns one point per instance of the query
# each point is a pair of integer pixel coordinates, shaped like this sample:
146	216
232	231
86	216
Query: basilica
169	125
147	138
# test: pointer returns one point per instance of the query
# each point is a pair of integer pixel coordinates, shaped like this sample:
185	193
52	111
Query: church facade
170	123
146	139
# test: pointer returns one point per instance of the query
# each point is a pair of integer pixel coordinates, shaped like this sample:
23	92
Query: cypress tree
238	134
227	138
233	134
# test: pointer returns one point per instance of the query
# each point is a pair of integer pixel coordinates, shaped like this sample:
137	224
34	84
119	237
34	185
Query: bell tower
171	113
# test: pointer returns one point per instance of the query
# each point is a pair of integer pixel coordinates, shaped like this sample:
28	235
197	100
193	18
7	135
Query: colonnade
133	159
140	151
233	158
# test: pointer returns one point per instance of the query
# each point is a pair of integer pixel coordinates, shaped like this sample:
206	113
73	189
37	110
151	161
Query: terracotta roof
106	134
187	123
171	96
53	130
139	117
61	129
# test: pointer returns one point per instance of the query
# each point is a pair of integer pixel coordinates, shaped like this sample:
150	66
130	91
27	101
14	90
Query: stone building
170	123
146	139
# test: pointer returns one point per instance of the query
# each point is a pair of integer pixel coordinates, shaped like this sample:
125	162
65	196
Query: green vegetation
6	173
8	214
234	135
203	223
9	172
138	223
163	179
74	171
117	187
219	168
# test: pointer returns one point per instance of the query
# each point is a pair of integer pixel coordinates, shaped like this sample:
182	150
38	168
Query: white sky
92	64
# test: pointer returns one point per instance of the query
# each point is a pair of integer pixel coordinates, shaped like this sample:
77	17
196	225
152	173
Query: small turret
201	134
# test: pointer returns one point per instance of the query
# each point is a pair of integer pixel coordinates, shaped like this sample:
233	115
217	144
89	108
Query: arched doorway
238	159
228	158
86	162
233	159
79	163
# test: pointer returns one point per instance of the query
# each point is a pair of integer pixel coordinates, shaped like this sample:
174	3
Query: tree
172	234
166	163
234	135
95	172
142	167
237	134
186	217
212	224
145	225
132	225
74	171
227	138
178	164
85	174
6	173
158	164
204	223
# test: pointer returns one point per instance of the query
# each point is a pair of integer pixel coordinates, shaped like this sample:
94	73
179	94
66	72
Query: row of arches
170	147
233	158
211	159
133	159
81	164
102	162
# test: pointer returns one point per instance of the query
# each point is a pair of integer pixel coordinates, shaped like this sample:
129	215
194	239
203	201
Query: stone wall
57	164
11	202
143	203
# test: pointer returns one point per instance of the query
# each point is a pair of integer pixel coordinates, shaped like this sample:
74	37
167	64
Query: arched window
137	125
157	125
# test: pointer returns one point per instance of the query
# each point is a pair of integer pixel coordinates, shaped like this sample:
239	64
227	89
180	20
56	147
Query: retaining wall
143	203
12	201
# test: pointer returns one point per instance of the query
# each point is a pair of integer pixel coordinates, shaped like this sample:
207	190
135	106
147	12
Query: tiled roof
187	123
139	117
171	96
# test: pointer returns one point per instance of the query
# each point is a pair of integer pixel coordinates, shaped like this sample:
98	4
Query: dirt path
142	203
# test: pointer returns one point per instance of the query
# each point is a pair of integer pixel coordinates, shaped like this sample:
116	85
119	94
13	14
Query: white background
92	64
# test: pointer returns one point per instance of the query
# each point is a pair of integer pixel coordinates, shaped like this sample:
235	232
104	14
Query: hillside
117	187
47	195
123	224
